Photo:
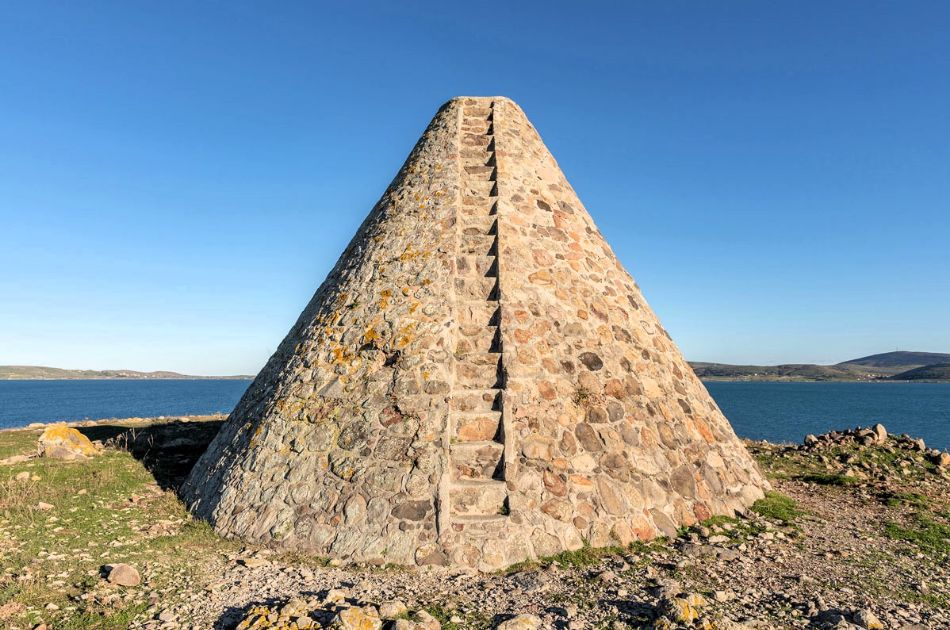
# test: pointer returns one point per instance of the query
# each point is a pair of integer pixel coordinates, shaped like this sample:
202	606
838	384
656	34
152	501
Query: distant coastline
42	373
888	367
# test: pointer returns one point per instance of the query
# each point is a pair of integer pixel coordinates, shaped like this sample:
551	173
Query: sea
775	411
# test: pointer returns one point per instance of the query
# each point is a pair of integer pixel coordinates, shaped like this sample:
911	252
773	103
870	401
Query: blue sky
177	178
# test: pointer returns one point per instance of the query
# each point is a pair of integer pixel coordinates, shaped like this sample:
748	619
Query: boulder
123	575
356	618
942	460
521	622
62	442
880	433
867	619
392	609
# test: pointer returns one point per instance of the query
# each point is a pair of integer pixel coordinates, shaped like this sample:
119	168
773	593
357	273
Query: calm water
773	411
22	402
789	411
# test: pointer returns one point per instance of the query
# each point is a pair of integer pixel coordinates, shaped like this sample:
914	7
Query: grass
778	507
809	467
444	617
826	479
905	499
583	557
106	510
923	531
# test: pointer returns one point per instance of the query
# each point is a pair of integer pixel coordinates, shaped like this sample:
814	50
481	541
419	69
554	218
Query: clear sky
177	178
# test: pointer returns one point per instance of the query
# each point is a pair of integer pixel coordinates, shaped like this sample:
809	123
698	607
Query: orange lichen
370	335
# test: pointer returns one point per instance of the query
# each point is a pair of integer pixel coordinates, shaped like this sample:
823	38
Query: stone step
476	460
477	189
472	265
476	112
477	339
475	288
478	141
478	313
479	358
479	498
478	244
473	524
471	373
481	170
480	159
481	223
477	220
471	156
482	129
477	400
474	206
475	426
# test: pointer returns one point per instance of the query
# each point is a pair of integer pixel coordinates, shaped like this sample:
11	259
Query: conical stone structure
478	381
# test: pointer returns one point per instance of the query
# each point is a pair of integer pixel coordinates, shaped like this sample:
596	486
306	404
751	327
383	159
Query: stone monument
478	381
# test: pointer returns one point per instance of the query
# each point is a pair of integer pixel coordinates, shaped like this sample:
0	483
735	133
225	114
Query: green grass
106	510
827	479
582	557
778	507
924	531
18	442
902	499
444	616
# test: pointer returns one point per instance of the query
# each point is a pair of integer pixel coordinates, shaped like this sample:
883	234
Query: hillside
869	368
899	360
938	372
36	372
791	371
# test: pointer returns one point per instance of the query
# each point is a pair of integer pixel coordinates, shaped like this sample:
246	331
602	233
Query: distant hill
36	372
790	371
938	372
873	367
900	359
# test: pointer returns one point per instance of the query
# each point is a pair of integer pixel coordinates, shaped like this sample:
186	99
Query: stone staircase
478	492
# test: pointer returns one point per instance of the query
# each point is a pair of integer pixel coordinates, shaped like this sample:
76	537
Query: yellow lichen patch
370	335
384	296
341	355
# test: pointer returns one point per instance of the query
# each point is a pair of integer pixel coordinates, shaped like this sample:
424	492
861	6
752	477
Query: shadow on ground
167	450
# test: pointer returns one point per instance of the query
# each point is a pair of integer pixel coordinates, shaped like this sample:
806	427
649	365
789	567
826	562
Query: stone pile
877	436
335	611
477	382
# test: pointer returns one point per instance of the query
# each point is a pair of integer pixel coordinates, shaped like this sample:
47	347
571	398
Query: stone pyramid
478	381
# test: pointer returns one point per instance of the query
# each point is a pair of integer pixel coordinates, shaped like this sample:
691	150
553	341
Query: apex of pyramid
478	381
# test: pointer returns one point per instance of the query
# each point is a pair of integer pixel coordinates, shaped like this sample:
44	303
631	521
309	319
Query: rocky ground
856	534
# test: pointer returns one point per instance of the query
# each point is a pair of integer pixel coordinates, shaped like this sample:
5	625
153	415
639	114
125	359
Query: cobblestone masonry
478	381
